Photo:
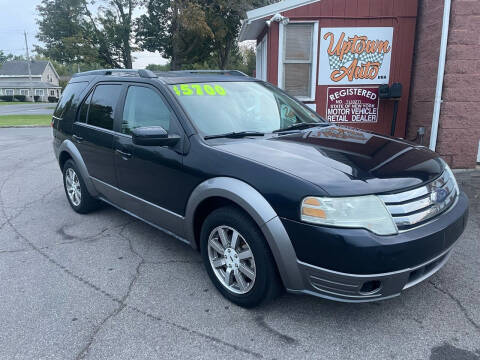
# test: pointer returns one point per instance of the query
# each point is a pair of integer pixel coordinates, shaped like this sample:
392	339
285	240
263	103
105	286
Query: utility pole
29	69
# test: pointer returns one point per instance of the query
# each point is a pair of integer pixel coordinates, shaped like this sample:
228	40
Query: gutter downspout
440	75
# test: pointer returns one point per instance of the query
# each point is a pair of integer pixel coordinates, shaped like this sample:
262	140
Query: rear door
93	131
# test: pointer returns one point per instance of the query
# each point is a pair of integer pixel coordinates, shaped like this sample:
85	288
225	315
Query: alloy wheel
72	184
231	259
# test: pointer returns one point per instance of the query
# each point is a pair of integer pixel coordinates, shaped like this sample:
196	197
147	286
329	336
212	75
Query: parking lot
105	285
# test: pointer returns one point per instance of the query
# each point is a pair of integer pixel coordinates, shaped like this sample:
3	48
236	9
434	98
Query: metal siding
399	14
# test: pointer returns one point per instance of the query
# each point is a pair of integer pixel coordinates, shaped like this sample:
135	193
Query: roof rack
118	72
200	72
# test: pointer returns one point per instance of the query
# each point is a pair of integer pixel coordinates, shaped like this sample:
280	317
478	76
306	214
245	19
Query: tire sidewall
81	207
236	219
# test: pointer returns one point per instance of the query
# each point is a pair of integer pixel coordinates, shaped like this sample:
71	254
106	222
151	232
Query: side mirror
153	136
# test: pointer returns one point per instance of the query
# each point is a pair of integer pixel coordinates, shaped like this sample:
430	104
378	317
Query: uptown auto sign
355	56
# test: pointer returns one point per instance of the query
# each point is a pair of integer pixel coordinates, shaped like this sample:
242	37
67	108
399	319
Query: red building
378	65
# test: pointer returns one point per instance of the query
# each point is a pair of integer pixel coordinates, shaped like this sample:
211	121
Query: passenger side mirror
153	136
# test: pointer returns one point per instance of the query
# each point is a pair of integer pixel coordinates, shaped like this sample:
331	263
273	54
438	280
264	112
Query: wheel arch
68	150
221	191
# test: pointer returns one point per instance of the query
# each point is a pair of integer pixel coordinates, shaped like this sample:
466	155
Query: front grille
414	207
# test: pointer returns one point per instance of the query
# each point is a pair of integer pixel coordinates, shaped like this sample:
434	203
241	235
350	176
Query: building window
261	60
52	92
38	92
298	59
8	91
24	92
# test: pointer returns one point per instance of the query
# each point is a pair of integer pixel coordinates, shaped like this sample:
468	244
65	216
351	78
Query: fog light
370	287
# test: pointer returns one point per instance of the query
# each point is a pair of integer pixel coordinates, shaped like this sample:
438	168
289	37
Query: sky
17	16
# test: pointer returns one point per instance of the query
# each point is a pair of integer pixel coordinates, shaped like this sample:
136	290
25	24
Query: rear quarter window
68	98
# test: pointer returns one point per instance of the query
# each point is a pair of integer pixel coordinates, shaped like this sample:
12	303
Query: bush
52	99
6	98
21	98
36	98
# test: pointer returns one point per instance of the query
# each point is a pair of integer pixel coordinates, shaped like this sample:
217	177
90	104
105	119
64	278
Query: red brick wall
459	125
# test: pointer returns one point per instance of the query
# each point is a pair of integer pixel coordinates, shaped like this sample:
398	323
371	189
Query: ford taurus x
273	196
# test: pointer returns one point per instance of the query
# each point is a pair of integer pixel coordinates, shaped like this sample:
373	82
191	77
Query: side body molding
69	147
262	213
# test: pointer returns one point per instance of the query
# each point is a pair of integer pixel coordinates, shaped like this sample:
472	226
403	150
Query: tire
265	285
82	202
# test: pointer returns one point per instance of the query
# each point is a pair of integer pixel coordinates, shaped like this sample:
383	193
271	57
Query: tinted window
144	107
84	109
102	106
67	98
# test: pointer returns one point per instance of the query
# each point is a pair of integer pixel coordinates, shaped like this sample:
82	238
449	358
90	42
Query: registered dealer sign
352	105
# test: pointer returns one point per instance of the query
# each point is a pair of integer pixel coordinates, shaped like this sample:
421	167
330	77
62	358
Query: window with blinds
298	59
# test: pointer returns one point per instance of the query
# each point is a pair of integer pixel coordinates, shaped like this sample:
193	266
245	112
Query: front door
150	173
93	131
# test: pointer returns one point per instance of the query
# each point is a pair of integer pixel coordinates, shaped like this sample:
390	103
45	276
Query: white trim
281	45
276	8
440	75
478	154
314	61
261	66
35	92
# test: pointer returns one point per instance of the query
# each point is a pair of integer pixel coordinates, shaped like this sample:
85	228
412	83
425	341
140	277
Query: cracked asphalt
106	286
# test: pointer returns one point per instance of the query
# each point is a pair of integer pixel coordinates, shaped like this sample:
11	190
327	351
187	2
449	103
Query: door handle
123	154
77	138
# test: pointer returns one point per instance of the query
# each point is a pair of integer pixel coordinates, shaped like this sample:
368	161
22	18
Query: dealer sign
355	55
352	105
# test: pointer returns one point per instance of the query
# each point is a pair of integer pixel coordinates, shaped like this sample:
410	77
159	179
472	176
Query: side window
66	100
84	109
102	106
144	107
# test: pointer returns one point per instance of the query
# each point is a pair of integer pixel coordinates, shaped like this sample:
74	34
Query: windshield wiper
300	126
235	135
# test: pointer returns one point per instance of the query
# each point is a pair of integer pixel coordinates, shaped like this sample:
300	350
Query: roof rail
199	72
118	72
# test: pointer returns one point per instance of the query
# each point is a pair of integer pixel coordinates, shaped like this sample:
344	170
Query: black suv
272	195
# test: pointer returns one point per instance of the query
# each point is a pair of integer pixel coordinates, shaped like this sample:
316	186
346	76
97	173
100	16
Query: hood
343	161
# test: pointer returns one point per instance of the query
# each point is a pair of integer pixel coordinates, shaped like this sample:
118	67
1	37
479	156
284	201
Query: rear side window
67	99
102	106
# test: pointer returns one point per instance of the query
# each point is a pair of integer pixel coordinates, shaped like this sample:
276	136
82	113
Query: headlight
450	174
368	212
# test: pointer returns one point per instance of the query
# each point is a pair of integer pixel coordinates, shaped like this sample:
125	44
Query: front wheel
237	258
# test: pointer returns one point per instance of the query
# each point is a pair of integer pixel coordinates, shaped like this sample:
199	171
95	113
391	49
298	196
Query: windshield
226	107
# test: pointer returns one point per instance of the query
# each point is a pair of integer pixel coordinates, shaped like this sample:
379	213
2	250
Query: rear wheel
77	194
237	258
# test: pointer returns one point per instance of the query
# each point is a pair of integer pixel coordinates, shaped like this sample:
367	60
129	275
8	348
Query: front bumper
357	266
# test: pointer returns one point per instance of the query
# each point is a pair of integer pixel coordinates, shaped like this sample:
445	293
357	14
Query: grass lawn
14	102
21	120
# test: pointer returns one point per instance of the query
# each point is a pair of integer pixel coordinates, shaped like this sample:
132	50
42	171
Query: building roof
27	85
253	25
20	67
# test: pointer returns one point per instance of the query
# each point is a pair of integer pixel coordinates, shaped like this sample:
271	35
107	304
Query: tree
72	34
177	29
195	31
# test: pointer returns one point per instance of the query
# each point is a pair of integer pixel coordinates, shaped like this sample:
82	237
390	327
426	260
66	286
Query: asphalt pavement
27	109
106	286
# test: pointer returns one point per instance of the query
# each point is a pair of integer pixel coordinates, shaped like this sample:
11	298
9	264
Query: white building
14	80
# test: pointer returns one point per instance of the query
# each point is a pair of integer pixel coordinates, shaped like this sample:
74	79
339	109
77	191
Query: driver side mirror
153	136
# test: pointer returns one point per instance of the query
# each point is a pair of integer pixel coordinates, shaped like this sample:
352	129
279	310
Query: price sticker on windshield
198	90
